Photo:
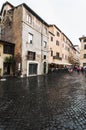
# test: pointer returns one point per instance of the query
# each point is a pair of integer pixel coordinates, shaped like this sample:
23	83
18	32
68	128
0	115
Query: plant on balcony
9	60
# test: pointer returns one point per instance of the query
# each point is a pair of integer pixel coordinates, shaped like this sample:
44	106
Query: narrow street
50	102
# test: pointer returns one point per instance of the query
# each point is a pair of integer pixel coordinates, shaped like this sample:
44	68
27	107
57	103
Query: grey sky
67	15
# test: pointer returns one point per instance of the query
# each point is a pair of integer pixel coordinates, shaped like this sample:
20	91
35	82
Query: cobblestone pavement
50	102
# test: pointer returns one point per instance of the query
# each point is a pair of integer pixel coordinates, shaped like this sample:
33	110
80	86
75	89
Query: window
64	38
45	44
65	47
84	55
62	44
85	46
51	53
8	49
84	40
31	55
30	38
57	42
45	30
84	64
44	56
58	34
68	49
57	54
3	31
63	56
51	38
66	57
29	19
4	13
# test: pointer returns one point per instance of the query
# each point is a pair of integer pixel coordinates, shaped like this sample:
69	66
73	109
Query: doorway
44	67
33	68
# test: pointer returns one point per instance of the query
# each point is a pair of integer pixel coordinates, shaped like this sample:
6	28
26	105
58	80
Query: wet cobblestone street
49	102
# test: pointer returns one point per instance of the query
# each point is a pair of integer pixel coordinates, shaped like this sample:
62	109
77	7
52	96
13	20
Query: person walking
78	69
85	70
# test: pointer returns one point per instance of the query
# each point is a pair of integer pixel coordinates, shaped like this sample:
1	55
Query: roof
55	27
36	15
33	13
4	5
83	37
51	33
28	8
60	32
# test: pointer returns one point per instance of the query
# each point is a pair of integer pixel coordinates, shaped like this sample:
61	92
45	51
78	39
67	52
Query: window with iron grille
8	49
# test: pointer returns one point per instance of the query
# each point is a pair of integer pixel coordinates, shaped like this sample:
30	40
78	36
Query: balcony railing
56	57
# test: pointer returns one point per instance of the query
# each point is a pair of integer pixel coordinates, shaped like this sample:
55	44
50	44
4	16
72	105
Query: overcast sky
68	15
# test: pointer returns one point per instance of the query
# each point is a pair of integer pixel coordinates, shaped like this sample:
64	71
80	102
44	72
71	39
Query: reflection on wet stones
49	102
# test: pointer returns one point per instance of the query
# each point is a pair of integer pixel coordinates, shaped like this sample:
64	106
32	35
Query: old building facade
83	51
38	45
67	49
55	46
62	52
29	32
6	58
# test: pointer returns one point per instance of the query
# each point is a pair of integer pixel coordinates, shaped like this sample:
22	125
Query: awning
64	63
61	63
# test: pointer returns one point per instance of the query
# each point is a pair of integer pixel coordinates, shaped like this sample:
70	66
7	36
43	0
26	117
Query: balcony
57	57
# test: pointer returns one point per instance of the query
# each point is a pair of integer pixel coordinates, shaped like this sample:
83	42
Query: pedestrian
70	70
78	69
82	69
85	71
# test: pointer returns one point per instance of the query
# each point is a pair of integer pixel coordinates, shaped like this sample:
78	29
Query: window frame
45	44
84	56
51	38
84	46
58	34
57	42
31	55
30	38
29	19
8	49
51	53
